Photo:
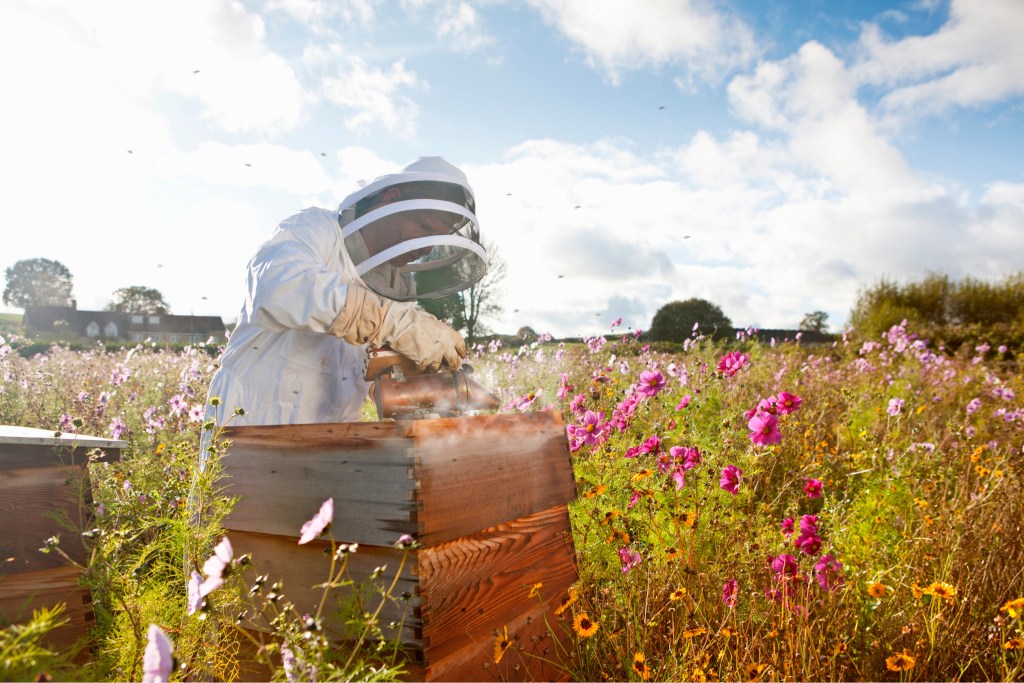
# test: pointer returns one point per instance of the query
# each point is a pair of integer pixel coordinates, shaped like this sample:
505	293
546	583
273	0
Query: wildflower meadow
746	510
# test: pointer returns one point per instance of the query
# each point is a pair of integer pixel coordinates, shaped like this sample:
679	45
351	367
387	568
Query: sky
773	157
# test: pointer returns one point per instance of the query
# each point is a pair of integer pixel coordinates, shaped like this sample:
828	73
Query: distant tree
139	300
815	322
526	332
38	282
675	320
467	310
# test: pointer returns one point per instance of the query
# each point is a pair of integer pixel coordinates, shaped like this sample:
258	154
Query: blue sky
773	157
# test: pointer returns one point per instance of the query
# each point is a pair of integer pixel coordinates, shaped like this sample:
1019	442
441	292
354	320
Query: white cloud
618	36
314	14
375	97
256	165
975	59
461	26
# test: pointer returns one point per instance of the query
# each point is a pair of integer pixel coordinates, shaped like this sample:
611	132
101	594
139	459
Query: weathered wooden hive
484	497
45	479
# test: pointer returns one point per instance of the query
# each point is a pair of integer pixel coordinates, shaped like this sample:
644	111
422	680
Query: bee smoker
402	391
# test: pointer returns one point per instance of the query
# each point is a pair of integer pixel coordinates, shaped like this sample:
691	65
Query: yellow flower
642	474
677	594
727	632
609	516
688	518
501	645
640	667
916	589
901	661
941	590
921	502
981	470
753	671
698	676
535	590
1014	608
876	590
567	600
703	659
840	648
583	626
1014	644
693	632
160	448
596	491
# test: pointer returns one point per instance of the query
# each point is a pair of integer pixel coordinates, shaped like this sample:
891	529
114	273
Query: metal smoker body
402	391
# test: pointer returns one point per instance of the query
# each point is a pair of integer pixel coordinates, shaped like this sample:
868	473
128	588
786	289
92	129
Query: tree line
45	282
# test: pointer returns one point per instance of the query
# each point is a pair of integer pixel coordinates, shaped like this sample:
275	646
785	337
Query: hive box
45	479
485	498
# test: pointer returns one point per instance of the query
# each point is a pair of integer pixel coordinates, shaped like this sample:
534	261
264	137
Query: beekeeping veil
424	242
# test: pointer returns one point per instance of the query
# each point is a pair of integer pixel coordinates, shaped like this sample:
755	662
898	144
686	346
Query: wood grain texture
478	583
301	567
31	502
20	594
475	472
20	455
281	487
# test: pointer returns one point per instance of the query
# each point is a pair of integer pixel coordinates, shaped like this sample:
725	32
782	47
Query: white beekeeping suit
328	282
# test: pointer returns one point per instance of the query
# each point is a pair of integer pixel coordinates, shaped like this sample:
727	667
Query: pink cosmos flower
787	526
592	430
730	363
524	402
320	521
651	382
564	388
813	488
809	544
973	405
768	405
689	456
679	477
895	406
787	403
829	572
216	565
158	659
684	402
633	499
731	478
784	566
576	405
651	445
809	524
195	595
618	321
629	559
764	429
730	593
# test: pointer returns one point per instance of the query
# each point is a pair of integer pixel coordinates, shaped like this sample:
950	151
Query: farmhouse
68	322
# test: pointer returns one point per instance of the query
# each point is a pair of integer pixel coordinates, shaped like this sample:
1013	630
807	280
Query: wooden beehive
45	480
485	498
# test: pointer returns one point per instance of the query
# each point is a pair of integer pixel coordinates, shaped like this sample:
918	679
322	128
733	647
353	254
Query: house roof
43	318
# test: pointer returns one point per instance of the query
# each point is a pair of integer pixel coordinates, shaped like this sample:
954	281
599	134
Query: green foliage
468	310
38	282
816	321
675	320
938	304
139	300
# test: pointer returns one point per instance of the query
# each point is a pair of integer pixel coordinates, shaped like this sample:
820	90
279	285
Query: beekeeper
328	283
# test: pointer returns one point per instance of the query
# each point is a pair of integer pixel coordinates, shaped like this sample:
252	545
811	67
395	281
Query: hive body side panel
20	594
481	582
280	487
475	472
301	567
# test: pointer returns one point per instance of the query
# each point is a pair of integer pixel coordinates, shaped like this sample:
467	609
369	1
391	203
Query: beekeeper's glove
369	318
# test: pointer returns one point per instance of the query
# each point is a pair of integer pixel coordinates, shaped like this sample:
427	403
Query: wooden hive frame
485	498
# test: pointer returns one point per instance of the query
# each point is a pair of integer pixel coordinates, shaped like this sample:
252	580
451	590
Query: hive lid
30	436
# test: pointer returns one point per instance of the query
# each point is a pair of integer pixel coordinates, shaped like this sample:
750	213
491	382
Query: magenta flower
973	405
684	402
787	526
730	363
651	445
730	593
651	382
784	566
764	429
895	406
524	402
629	559
576	405
320	521
158	659
679	477
731	477
829	572
787	403
813	488
809	524
688	456
633	499
592	430
809	544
